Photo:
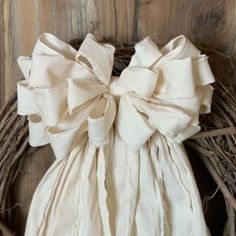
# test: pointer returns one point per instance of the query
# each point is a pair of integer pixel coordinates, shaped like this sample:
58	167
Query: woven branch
216	143
13	143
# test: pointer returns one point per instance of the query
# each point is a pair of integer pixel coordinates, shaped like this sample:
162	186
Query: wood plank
2	92
34	167
23	21
208	23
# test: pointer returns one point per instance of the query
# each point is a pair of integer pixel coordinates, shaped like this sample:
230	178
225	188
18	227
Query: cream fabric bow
66	92
165	91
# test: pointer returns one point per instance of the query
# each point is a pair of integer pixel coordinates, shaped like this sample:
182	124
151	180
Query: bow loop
140	80
178	48
54	70
133	127
49	44
97	57
146	53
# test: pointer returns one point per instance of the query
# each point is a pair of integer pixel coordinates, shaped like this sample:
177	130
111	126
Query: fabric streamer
120	168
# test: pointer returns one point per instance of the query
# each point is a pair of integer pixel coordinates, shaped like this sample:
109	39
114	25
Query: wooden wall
208	23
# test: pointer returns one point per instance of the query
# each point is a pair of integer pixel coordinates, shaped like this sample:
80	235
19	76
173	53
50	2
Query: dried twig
215	132
216	143
4	231
217	147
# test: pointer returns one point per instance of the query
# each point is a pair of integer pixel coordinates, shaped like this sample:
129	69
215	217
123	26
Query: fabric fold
87	89
99	126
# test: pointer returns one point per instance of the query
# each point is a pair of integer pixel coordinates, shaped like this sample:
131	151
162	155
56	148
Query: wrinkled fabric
120	168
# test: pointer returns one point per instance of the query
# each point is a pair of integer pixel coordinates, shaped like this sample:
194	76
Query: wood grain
32	171
208	24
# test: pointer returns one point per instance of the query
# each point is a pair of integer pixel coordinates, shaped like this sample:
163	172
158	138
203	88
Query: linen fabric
120	168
